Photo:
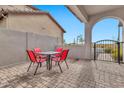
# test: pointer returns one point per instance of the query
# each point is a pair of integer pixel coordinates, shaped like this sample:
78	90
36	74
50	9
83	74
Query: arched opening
107	37
107	28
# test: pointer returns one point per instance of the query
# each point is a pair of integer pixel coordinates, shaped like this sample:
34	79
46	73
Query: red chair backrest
64	54
58	50
31	55
37	50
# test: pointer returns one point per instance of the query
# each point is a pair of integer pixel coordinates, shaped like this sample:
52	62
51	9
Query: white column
88	41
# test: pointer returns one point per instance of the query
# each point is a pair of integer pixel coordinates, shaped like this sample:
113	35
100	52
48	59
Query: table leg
47	63
50	62
49	67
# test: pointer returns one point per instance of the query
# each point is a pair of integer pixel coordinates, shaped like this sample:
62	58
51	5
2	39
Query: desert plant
115	53
108	50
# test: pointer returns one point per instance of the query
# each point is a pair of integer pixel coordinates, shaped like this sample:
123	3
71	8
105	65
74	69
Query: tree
80	38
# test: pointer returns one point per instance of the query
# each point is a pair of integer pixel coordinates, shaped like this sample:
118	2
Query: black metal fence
108	50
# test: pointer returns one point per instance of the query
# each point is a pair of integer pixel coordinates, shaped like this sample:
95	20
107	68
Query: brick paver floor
81	74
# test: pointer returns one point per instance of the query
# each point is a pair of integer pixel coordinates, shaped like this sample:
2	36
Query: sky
105	29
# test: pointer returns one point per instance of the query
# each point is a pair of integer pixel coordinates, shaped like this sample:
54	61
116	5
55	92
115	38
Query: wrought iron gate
108	50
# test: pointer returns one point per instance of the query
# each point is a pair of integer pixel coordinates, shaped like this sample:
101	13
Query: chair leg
51	64
47	65
33	63
36	69
40	64
29	66
55	63
60	67
66	64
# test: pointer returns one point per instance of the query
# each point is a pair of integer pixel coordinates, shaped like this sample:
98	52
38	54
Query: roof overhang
84	12
80	14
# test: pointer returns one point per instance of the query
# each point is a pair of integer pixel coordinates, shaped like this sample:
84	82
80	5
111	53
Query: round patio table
49	54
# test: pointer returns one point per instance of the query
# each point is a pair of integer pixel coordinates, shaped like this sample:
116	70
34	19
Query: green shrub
115	53
108	50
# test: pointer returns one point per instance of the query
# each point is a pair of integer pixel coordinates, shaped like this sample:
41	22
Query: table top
48	53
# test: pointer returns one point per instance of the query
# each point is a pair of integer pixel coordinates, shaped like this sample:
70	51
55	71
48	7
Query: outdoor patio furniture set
37	56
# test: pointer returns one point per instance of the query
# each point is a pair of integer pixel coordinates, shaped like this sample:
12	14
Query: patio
81	74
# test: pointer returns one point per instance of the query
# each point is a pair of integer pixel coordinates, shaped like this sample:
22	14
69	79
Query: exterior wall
13	45
39	24
46	43
16	7
60	39
76	51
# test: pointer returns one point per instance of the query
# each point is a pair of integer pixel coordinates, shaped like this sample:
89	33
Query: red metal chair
62	58
37	50
59	49
34	59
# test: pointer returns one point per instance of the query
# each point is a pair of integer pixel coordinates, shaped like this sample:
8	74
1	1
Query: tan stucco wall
39	24
13	45
76	51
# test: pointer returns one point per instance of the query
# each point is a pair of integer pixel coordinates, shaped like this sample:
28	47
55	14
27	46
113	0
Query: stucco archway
103	19
95	21
89	28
